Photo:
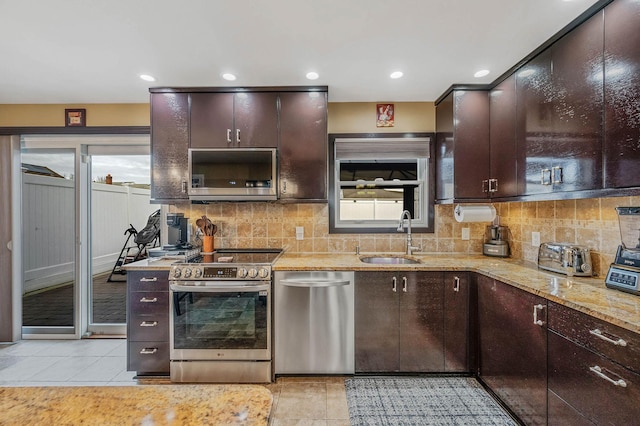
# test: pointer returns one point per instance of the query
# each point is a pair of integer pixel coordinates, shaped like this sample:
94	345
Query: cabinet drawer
562	414
148	280
602	390
149	357
622	346
148	328
155	303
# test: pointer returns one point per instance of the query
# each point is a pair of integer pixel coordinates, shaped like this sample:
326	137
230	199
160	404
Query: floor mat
422	401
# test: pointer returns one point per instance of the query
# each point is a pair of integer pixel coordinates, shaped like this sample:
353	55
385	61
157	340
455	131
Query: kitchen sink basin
389	260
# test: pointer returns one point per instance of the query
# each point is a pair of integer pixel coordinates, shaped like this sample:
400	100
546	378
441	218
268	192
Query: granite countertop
588	295
152	264
136	405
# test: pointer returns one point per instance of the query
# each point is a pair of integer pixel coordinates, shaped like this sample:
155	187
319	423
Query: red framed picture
75	117
385	115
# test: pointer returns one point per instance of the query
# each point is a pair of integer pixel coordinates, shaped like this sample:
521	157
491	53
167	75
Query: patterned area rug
422	401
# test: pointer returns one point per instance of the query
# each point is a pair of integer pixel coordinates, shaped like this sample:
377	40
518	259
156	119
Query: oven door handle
212	288
314	283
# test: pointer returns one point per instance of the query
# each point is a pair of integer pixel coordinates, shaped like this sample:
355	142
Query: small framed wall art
385	115
75	117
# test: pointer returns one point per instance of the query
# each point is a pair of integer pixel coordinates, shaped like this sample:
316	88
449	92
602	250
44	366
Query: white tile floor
89	362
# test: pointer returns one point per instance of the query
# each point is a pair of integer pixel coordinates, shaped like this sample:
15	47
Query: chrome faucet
406	214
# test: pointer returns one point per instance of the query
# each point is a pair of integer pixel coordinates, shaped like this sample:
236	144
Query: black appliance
624	272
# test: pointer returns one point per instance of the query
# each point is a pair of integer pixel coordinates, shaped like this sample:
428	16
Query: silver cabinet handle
145	300
456	284
148	323
148	351
598	371
556	174
238	135
617	342
404	284
493	185
147	280
311	283
395	283
184	186
284	186
228	135
537	321
485	185
543	177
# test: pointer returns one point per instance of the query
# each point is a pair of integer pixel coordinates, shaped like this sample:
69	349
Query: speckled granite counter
588	295
151	264
136	405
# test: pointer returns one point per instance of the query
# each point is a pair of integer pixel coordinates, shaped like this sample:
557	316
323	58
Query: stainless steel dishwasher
314	322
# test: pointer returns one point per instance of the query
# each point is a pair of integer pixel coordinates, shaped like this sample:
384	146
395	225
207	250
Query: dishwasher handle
312	283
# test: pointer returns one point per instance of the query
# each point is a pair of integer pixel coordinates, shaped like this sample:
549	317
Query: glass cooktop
239	255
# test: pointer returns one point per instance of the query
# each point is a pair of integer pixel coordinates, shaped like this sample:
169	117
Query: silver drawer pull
394	280
598	333
404	284
145	300
456	284
148	323
148	280
536	321
600	374
148	351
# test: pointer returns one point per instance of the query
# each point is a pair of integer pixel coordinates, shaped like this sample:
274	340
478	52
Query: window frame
335	227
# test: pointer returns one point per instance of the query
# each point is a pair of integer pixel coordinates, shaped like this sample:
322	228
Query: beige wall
360	117
45	115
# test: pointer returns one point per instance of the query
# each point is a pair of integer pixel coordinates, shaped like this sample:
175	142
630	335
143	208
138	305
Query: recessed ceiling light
228	76
147	77
396	74
312	75
481	73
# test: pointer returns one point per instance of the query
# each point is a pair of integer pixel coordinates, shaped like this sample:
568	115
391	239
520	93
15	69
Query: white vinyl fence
48	227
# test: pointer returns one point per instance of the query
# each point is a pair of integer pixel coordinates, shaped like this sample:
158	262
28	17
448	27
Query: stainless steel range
220	322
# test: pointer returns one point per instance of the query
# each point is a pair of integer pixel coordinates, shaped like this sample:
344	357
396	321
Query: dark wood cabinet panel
303	146
502	136
513	350
622	94
563	414
234	120
399	322
604	391
169	147
462	145
559	114
148	358
456	322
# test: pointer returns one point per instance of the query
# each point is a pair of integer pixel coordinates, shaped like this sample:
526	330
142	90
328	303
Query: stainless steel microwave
226	174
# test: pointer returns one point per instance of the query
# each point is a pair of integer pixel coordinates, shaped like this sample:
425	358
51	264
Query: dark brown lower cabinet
456	322
399	322
513	348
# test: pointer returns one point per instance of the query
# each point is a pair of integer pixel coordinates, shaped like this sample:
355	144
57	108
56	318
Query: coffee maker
496	240
177	232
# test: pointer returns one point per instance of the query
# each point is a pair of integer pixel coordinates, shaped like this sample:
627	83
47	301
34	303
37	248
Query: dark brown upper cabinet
622	94
502	179
303	148
169	147
462	145
234	120
559	129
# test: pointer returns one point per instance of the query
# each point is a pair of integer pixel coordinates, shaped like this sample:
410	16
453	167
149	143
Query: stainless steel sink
389	260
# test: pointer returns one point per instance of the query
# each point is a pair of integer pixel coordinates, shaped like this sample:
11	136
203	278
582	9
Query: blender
624	272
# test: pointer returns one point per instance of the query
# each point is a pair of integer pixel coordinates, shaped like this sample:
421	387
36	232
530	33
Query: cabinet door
444	149
513	350
212	120
622	93
303	146
256	119
421	331
456	322
169	147
502	131
376	322
471	143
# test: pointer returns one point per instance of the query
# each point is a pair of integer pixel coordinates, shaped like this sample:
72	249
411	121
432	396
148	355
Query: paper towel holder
474	213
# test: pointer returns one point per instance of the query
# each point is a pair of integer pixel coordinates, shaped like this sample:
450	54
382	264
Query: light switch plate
299	232
535	239
465	234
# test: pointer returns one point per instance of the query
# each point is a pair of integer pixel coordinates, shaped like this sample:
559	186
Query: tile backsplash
590	222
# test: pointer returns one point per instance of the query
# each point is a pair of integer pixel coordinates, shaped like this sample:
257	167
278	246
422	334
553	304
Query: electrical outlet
535	239
465	234
299	232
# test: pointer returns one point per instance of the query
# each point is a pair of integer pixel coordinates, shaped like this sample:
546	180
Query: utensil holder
207	243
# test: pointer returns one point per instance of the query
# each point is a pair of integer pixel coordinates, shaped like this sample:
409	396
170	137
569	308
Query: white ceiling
91	51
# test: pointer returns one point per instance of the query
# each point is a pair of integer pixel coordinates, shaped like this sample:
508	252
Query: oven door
220	321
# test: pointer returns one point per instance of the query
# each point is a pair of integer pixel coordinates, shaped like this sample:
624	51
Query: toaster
565	258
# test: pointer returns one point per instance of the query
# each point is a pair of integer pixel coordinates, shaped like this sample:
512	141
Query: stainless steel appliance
233	174
177	232
496	243
314	322
565	258
220	321
624	272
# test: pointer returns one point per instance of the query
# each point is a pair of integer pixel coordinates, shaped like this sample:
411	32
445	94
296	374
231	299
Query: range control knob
187	273
197	273
177	272
253	273
242	272
263	273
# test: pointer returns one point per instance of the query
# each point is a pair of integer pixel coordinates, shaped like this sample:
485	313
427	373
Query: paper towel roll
474	213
